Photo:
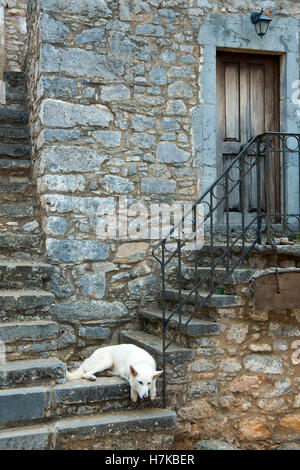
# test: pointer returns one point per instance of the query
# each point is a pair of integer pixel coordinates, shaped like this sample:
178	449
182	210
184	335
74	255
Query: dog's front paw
90	377
153	392
134	396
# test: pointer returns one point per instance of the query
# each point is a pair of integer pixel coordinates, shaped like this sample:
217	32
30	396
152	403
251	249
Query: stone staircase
204	323
38	409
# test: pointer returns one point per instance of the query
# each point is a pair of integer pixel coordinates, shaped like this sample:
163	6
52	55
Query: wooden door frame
235	32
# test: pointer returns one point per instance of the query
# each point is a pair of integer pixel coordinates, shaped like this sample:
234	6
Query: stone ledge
194	328
33	438
17	299
13	374
153	344
215	300
145	424
142	420
27	404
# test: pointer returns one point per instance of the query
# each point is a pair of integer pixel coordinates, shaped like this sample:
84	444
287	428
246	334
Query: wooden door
247	105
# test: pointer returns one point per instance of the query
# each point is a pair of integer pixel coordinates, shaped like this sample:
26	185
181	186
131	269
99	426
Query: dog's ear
157	374
133	371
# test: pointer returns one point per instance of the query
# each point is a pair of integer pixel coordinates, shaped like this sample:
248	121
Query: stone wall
110	101
242	386
114	90
15	33
114	95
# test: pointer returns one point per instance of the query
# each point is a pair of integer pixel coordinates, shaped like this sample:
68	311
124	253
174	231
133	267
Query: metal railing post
164	325
258	183
268	189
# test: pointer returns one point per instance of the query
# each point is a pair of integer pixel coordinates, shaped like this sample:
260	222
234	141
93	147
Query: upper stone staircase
202	322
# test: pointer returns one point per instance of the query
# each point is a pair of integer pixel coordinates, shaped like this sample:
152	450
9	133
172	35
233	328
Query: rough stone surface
254	429
122	104
129	253
157	186
290	423
170	153
55	113
214	445
266	364
90	310
33	439
76	250
244	383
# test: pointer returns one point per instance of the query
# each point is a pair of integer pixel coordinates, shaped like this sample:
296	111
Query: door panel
232	102
257	99
247	105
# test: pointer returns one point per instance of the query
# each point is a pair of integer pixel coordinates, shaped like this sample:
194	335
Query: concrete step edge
42	437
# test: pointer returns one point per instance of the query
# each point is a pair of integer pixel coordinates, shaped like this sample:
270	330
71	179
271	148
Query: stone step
260	257
32	335
15	95
14	150
123	430
14	78
11	332
20	373
18	299
15	89
137	429
153	344
19	166
28	330
13	114
226	283
19	210
19	245
194	328
26	438
213	301
16	191
238	276
15	187
219	250
17	275
52	401
13	133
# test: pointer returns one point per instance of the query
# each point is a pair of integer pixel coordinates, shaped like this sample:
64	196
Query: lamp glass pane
263	26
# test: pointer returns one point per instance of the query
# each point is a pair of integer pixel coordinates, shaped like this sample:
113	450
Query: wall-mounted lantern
261	22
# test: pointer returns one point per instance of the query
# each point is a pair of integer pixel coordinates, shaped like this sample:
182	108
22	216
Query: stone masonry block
56	113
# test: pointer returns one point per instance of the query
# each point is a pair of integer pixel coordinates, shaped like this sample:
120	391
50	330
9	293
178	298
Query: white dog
127	361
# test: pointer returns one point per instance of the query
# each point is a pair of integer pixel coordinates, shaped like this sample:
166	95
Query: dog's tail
77	374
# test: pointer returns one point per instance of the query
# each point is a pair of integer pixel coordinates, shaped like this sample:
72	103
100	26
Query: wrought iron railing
258	191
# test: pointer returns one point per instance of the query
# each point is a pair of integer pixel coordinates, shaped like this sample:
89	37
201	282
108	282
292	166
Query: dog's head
141	381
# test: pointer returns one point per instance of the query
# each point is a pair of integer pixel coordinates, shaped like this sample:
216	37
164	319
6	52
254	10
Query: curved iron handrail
258	156
238	157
